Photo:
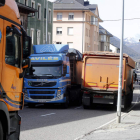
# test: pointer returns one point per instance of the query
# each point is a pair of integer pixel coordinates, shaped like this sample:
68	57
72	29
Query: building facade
104	39
114	49
40	22
76	23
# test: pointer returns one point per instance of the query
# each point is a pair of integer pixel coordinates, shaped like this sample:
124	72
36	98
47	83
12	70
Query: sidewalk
129	129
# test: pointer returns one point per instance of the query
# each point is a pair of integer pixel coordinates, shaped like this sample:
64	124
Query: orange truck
100	74
15	47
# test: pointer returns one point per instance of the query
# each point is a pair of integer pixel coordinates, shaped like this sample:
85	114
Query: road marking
82	136
78	107
48	114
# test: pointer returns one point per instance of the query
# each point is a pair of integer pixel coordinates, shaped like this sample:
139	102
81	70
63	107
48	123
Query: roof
103	31
91	6
25	9
50	48
68	5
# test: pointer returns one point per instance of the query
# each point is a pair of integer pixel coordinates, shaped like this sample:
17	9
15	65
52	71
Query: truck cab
15	48
48	79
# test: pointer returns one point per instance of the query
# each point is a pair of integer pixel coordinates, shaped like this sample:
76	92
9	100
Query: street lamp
120	69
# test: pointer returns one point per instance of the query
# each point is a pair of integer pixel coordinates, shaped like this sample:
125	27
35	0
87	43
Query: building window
39	11
49	38
103	38
71	16
45	13
92	20
32	35
70	44
38	36
50	16
59	30
70	30
96	21
58	42
26	2
33	6
59	16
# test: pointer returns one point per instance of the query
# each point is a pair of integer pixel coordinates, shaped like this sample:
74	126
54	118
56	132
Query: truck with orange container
100	74
15	47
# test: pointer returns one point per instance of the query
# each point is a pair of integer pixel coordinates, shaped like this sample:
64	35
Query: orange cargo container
100	74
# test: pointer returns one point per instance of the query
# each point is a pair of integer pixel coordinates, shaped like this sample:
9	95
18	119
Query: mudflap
15	121
86	99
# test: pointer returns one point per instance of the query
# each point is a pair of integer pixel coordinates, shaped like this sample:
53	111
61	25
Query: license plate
98	96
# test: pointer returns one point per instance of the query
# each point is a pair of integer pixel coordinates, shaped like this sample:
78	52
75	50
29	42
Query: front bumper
59	99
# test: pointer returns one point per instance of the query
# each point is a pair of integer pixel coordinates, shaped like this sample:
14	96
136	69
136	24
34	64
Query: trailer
100	74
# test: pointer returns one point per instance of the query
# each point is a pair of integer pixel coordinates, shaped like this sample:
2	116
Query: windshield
49	71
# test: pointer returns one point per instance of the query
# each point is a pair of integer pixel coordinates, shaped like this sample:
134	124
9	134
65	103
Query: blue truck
54	76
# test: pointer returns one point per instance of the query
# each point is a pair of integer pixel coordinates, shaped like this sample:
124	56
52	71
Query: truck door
11	83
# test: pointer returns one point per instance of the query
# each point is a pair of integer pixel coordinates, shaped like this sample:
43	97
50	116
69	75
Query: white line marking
48	114
78	107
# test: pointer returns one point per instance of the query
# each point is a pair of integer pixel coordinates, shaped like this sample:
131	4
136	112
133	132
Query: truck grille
42	97
42	84
42	92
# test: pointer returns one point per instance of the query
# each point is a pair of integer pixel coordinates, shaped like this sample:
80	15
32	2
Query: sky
112	10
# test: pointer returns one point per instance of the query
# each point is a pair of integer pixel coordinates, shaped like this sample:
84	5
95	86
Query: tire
125	103
1	132
66	104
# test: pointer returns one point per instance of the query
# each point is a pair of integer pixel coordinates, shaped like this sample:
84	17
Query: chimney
80	1
86	3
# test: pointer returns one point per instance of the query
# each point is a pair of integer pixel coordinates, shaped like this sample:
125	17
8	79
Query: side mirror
27	46
2	2
26	63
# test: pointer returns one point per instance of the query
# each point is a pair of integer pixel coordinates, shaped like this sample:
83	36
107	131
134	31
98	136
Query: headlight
58	92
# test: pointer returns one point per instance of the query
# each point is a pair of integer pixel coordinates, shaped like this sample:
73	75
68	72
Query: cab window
13	49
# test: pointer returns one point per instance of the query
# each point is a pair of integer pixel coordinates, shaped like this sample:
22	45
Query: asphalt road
54	123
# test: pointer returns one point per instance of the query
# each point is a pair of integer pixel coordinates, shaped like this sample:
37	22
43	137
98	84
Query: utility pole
46	21
119	102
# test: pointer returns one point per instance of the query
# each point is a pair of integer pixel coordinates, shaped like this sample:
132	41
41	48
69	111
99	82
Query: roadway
53	123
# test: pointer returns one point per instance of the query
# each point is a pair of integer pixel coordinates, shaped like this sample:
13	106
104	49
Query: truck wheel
125	103
1	132
66	104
